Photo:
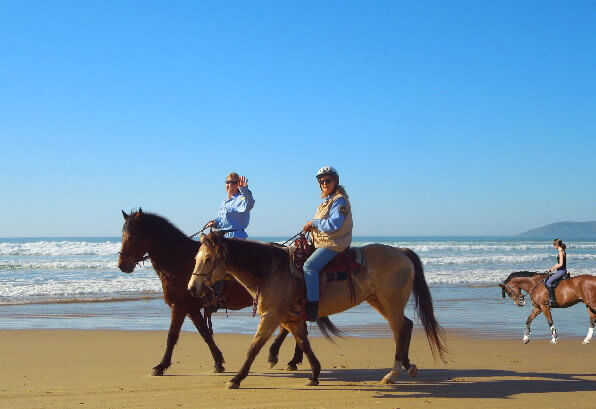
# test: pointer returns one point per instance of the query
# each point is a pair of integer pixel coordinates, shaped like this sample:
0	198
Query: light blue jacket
336	217
234	213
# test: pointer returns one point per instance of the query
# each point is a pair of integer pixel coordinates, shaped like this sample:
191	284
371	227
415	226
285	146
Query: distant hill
570	230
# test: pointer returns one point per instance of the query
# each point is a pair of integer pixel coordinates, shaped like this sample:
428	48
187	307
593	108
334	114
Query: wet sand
111	369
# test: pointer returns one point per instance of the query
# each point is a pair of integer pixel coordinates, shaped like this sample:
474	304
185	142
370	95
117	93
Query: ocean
75	283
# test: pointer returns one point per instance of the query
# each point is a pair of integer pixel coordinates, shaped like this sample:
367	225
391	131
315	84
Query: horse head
134	241
514	292
209	263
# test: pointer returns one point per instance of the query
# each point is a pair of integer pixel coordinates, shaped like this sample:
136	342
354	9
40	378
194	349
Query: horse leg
551	323
267	327
199	322
397	323
298	354
404	340
298	330
274	349
177	318
535	312
592	314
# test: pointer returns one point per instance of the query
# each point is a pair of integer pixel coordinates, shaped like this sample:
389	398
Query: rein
522	297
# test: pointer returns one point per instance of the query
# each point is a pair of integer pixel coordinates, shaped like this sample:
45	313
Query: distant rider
331	229
559	271
234	212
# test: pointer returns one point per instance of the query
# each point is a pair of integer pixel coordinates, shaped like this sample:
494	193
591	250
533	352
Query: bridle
143	258
147	255
518	297
209	275
522	296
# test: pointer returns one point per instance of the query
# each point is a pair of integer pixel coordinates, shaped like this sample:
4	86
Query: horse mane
521	274
154	225
151	223
255	257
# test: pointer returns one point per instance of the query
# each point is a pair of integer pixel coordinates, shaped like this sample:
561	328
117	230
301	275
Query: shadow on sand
445	383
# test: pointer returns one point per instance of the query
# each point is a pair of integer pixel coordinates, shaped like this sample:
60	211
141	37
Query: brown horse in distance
386	281
172	255
569	292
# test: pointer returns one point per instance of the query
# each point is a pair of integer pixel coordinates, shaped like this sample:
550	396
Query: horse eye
208	258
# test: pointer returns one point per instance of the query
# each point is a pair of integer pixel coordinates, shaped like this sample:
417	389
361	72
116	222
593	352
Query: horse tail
424	308
328	328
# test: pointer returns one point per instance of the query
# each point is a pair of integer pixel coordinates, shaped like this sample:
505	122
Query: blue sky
443	118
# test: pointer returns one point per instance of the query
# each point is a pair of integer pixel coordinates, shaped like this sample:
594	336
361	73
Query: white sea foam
11	290
38	271
482	247
58	265
499	259
65	265
59	248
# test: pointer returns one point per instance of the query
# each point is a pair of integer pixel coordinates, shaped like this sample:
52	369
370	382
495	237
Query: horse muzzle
195	289
126	267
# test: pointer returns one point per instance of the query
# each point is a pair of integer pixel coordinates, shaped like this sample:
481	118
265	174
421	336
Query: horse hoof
233	385
218	369
412	371
525	341
584	342
291	367
157	372
553	341
387	381
312	382
272	363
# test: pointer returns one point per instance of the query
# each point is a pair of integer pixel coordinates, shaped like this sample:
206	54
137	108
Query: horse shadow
451	383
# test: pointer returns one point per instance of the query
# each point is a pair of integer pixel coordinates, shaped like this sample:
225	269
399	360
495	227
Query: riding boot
312	311
552	298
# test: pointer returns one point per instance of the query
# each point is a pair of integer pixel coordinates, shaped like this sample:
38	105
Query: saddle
556	283
345	264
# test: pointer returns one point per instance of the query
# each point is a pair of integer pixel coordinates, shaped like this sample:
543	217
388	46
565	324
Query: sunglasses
325	181
231	182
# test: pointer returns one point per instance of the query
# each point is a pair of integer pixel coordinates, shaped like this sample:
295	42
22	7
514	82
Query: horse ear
140	210
124	215
137	215
204	239
502	290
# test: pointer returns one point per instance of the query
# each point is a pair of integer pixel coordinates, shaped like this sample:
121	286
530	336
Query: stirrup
312	310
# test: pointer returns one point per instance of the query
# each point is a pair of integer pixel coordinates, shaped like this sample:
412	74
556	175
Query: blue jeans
556	275
312	266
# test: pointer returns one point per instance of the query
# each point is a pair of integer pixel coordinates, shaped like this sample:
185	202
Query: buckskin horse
172	255
385	281
568	292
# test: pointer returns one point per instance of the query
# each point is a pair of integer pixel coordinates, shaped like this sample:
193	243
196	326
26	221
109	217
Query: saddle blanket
349	261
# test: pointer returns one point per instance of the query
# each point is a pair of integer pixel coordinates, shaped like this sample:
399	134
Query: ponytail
559	243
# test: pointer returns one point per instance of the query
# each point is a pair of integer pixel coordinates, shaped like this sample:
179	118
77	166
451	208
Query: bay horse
172	255
385	281
569	292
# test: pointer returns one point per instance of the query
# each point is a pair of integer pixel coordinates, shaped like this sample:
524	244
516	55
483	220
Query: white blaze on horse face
196	280
204	271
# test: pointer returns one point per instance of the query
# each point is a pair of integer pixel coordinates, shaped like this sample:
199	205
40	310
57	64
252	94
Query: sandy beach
111	369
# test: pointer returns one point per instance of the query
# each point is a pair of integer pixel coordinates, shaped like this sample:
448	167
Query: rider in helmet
331	229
